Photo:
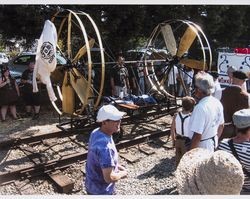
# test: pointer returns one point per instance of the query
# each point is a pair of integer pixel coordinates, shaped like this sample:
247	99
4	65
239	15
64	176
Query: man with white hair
207	120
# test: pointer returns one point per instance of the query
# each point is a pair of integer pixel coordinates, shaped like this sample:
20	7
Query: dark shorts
32	99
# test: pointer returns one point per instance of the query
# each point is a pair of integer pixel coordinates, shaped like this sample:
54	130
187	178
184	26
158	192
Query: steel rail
67	161
73	131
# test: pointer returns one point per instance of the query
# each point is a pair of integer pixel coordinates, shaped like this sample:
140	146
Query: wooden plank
146	149
63	182
130	157
169	144
129	106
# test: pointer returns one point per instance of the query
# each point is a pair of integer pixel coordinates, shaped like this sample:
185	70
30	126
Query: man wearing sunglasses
102	167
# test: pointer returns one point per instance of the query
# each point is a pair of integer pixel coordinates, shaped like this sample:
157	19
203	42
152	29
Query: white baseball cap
109	112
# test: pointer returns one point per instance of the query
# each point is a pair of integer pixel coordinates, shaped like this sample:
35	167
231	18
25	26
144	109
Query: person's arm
127	83
17	89
122	168
126	79
220	130
172	130
195	140
3	83
134	83
110	175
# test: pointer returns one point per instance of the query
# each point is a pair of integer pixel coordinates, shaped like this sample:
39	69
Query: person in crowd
188	79
30	98
133	78
102	166
239	146
119	79
230	71
9	93
179	128
202	172
217	89
207	120
233	98
172	81
248	82
149	76
179	78
141	78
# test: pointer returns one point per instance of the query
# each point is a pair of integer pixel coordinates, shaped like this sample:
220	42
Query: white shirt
178	124
205	120
217	90
188	76
171	76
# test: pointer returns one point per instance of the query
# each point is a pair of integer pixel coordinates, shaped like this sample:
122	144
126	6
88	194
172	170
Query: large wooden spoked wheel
77	35
182	43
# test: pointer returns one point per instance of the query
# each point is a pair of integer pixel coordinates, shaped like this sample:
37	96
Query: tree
125	27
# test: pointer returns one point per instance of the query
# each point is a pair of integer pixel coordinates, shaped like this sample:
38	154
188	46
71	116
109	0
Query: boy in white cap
102	167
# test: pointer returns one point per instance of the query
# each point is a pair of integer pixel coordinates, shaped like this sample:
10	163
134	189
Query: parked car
3	58
20	63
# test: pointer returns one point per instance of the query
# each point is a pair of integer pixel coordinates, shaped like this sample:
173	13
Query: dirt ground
25	126
46	123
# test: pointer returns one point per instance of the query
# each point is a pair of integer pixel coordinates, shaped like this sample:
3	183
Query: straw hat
203	172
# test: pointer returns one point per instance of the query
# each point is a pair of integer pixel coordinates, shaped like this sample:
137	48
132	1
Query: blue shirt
102	154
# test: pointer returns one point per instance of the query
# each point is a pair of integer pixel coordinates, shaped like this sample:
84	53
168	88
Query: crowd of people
217	122
212	120
11	93
211	136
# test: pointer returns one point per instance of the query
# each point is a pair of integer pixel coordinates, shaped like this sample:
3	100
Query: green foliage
126	27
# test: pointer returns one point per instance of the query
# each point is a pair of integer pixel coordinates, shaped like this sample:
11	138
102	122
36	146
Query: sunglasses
113	120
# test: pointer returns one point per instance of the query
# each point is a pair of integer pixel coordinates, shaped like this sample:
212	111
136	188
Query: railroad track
73	131
42	167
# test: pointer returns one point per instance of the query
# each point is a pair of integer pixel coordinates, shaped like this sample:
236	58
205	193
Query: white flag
46	58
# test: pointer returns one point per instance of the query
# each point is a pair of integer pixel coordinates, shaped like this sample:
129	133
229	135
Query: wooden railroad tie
63	182
146	149
130	157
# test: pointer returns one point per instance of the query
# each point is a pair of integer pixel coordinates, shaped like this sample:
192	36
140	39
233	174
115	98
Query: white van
3	58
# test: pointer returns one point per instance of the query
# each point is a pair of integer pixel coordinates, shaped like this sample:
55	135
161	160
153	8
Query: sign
238	60
242	50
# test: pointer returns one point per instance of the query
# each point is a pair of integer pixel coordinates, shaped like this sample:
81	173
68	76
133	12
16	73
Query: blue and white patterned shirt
102	154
